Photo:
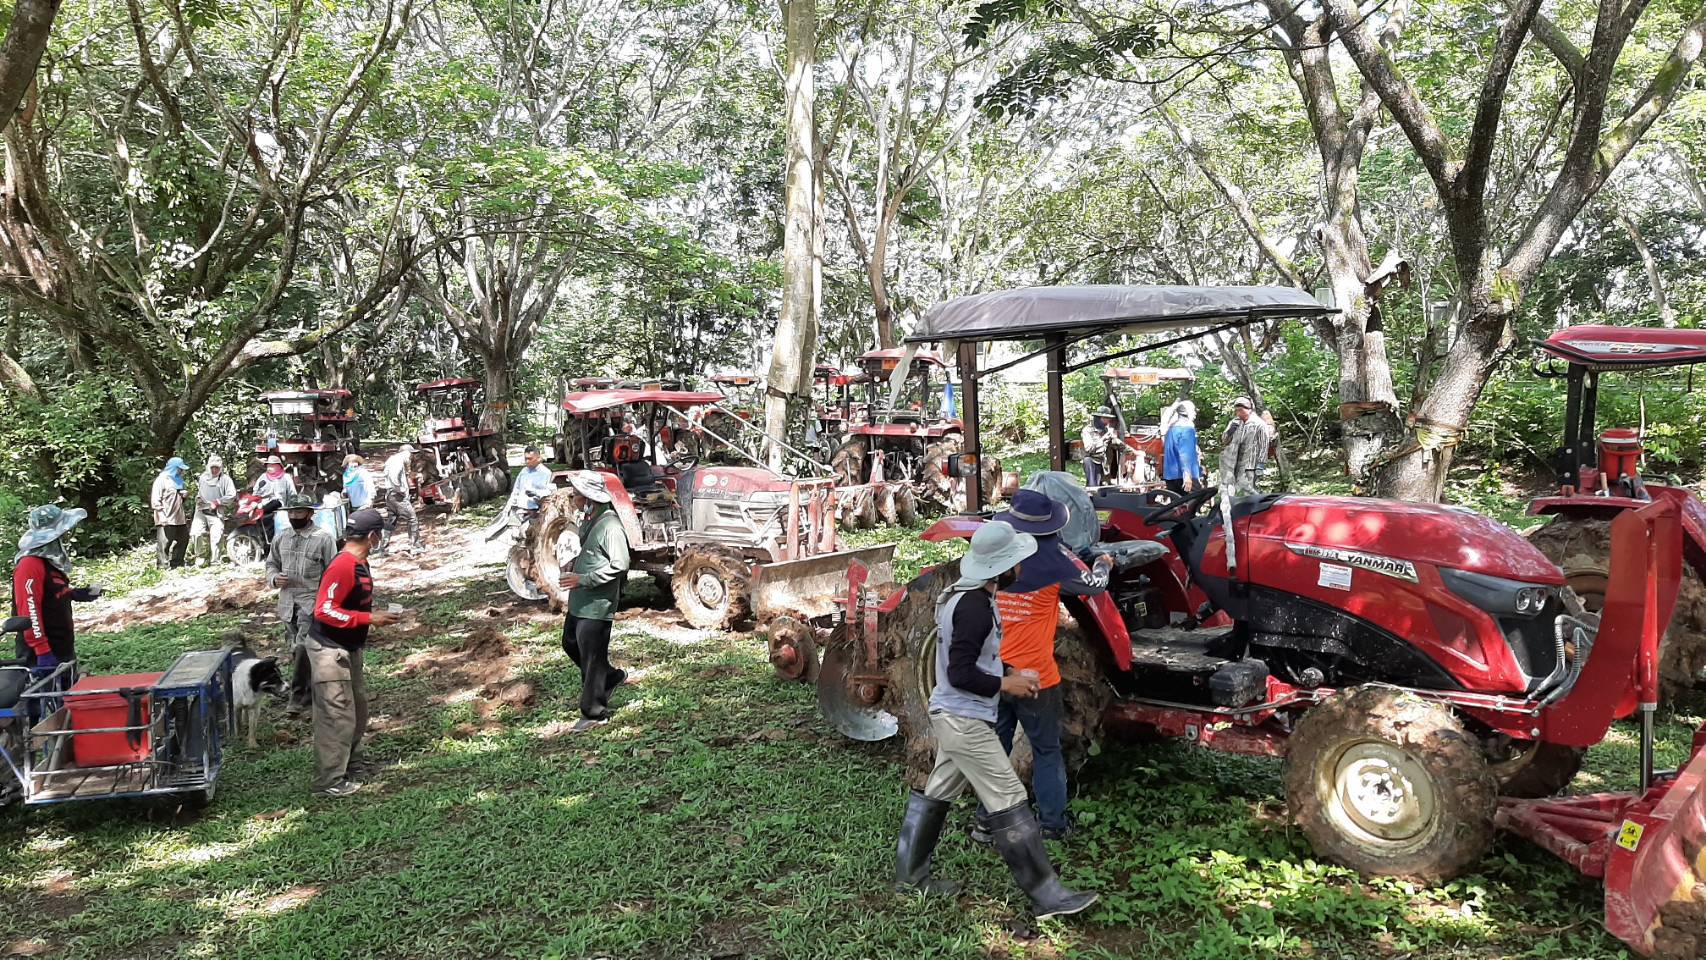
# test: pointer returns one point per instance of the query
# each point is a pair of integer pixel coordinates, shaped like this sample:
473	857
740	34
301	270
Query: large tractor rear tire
1389	784
910	637
712	588
554	543
1581	547
850	464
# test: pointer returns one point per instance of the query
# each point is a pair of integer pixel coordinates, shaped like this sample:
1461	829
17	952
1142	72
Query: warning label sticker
1629	837
1335	576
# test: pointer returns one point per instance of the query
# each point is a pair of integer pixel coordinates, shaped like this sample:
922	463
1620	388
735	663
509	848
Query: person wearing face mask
595	589
214	492
358	483
296	561
970	679
42	591
171	527
274	486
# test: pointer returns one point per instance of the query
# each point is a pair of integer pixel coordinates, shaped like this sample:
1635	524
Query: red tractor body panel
1610	348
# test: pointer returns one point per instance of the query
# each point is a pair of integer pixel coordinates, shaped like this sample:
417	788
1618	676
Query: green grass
717	816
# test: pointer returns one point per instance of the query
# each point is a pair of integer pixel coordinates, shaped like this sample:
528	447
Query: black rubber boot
919	831
1020	841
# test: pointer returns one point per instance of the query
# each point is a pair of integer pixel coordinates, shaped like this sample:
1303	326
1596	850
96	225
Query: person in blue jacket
1181	463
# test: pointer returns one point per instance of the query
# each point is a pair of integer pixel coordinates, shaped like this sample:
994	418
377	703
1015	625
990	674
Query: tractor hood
736	482
1422	533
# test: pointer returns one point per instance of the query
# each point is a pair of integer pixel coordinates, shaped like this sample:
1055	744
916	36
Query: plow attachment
467	487
1650	849
812	587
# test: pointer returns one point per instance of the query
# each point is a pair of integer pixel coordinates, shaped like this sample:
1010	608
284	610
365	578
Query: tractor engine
1331	591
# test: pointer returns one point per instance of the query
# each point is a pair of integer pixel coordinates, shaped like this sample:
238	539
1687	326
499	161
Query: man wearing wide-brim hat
42	591
1101	448
1030	620
970	679
594	582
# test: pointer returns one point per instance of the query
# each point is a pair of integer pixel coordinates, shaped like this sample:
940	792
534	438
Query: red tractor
893	463
311	431
1140	462
730	543
1420	668
1599	477
461	463
832	405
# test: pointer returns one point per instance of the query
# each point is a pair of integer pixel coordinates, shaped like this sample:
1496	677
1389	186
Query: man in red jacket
343	612
42	591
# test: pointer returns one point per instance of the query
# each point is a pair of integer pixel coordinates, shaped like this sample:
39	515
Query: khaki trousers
340	711
968	753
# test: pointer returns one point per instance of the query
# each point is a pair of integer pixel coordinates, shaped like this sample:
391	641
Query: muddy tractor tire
1389	784
554	543
712	588
1582	549
1529	771
791	645
850	463
909	634
905	507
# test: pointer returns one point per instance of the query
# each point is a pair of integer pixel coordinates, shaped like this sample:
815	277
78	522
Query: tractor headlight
1531	600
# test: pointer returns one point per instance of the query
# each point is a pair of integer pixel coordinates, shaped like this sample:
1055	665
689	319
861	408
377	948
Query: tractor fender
1646	573
1104	616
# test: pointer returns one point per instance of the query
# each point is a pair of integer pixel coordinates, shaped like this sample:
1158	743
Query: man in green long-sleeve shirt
594	582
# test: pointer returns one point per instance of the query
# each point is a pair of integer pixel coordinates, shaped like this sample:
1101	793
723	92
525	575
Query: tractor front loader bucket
1655	871
810	587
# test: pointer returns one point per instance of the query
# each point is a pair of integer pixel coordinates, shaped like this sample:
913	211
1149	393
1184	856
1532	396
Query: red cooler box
107	710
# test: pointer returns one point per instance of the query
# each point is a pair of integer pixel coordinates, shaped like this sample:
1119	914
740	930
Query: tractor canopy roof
446	386
1145	376
1078	311
338	394
592	401
891	356
1622	348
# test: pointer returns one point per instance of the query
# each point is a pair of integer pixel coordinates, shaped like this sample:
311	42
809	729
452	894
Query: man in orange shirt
1030	615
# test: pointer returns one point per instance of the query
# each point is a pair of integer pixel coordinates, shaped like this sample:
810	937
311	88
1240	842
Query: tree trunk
1418	471
796	329
1368	404
1655	279
499	378
26	38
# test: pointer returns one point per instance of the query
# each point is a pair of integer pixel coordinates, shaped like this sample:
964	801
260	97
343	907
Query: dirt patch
179	600
478	661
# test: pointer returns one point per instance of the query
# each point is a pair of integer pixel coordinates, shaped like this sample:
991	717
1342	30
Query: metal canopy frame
1027	315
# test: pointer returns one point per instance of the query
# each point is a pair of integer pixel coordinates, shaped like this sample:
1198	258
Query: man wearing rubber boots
1030	617
969	680
343	613
595	589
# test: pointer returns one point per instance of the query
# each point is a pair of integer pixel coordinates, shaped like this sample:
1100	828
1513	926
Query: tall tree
794	356
20	54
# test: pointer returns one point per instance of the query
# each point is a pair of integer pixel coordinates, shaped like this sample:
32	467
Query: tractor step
1177	650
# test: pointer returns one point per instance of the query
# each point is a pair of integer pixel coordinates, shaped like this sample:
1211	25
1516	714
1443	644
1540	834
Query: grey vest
947	697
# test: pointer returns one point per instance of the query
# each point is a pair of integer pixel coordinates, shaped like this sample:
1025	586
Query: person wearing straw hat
171	526
42	591
970	679
1030	618
358	483
214	492
594	582
1101	448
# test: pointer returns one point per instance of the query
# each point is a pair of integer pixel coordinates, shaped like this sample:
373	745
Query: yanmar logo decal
1397	569
1616	346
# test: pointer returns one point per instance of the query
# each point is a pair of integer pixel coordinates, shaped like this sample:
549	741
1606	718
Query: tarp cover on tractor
1606	347
1029	312
453	383
595	400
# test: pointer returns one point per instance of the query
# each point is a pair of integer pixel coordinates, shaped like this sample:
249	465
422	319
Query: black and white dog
252	679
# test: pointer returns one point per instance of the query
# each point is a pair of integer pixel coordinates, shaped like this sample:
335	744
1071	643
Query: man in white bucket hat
970	678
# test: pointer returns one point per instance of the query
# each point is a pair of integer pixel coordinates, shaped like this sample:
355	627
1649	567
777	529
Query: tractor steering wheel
683	452
1180	510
